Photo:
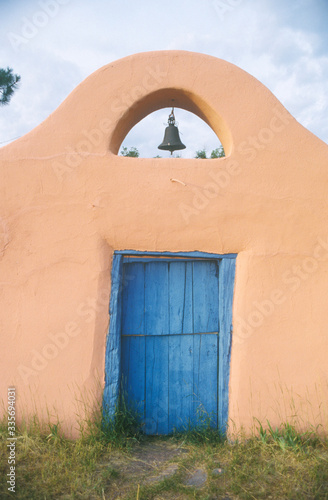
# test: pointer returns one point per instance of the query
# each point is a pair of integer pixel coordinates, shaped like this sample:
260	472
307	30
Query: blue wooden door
169	350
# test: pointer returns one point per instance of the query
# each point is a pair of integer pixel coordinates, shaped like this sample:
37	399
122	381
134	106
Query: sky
55	44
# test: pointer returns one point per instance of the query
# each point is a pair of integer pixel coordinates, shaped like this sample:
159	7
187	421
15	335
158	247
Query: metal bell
171	141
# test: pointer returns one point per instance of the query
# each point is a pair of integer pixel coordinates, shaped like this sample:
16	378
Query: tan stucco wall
68	201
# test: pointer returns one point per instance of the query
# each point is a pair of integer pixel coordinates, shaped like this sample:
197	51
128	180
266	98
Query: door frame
227	265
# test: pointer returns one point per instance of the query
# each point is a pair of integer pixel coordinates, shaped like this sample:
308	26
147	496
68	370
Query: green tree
8	84
201	153
130	152
216	153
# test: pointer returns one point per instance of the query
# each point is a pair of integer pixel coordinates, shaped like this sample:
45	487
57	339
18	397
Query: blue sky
56	44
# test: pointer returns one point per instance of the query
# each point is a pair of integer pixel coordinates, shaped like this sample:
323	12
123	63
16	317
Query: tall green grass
288	437
121	429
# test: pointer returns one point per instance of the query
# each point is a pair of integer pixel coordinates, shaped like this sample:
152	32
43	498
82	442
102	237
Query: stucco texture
68	201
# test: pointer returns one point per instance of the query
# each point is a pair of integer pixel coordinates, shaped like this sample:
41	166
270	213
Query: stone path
149	463
197	479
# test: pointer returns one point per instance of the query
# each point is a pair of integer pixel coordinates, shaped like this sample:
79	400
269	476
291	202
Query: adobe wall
67	201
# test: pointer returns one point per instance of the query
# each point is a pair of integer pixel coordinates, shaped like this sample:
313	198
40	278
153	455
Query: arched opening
195	134
166	98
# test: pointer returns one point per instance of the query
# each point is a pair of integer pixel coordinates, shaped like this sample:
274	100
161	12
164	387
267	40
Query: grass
278	463
120	431
201	432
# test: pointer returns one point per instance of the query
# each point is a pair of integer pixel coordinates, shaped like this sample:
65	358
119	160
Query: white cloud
282	44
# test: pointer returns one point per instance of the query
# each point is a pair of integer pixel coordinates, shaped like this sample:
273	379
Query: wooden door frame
227	264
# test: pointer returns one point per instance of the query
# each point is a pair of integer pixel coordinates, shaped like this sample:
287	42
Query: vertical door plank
180	297
206	319
133	299
205	378
180	381
156	299
133	373
227	280
205	296
156	421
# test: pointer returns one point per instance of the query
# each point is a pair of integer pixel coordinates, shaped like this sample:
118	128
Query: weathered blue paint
181	361
134	300
156	298
179	301
226	288
195	254
113	346
157	385
174	362
133	368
